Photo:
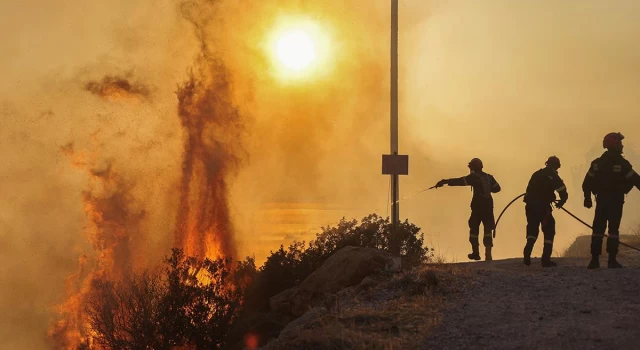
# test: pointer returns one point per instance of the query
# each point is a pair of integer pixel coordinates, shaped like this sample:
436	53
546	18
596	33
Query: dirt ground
507	305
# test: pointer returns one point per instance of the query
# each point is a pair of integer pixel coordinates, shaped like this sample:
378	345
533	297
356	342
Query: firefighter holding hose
483	186
538	198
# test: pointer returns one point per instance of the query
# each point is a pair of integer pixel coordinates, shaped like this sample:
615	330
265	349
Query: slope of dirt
507	305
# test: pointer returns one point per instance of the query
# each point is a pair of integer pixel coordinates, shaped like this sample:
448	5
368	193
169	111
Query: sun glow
296	50
299	48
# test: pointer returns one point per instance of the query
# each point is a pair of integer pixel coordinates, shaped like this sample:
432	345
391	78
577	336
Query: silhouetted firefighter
609	178
540	194
483	185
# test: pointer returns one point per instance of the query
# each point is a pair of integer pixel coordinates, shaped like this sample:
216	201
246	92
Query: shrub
285	268
197	303
191	303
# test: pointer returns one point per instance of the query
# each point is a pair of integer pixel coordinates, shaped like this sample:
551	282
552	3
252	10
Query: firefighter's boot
612	249
594	263
546	255
613	263
487	254
548	263
527	251
475	254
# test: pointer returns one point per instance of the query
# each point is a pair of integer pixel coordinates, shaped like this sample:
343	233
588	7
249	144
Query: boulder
345	268
281	302
311	331
313	319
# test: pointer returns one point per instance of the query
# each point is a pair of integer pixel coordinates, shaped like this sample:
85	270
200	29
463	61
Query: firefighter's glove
588	203
441	183
560	203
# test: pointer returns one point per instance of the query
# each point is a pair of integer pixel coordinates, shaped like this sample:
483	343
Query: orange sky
509	82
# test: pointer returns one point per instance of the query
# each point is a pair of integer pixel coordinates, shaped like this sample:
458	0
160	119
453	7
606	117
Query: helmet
613	140
475	164
553	161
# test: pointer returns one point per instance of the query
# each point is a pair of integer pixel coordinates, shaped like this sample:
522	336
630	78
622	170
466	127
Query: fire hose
561	208
589	226
495	227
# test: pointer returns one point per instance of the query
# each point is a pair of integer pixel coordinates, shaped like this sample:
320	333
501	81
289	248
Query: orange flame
212	126
110	225
213	129
203	227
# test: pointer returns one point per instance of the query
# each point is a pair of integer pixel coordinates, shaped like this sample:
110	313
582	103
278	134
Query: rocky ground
382	310
481	305
507	305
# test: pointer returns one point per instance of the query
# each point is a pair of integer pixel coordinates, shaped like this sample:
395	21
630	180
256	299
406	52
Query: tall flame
203	227
111	225
212	129
212	151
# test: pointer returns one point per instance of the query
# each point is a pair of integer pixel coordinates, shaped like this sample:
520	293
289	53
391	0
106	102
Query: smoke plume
114	87
212	150
212	129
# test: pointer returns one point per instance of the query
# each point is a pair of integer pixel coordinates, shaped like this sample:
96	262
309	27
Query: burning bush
197	303
191	303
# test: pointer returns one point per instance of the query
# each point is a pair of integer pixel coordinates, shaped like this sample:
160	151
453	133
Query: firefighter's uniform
609	178
539	196
483	185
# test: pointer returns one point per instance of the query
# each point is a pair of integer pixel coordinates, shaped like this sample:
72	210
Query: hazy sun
299	48
296	50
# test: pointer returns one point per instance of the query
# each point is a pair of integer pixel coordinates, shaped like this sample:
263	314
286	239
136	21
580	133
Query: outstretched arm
459	181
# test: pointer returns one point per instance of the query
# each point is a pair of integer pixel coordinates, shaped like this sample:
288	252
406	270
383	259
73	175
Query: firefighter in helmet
483	185
609	178
538	198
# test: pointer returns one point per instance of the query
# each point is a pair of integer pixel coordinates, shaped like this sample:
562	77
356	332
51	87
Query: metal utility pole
394	164
395	186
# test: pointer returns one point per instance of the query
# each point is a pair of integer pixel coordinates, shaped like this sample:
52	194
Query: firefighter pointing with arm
483	185
540	194
609	178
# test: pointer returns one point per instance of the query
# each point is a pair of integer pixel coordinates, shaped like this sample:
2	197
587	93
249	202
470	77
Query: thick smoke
498	82
316	143
212	144
115	87
82	176
509	82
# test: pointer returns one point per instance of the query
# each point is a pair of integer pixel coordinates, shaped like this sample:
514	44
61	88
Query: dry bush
190	303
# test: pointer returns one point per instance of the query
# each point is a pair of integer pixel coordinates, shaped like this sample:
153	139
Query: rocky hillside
496	305
354	302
